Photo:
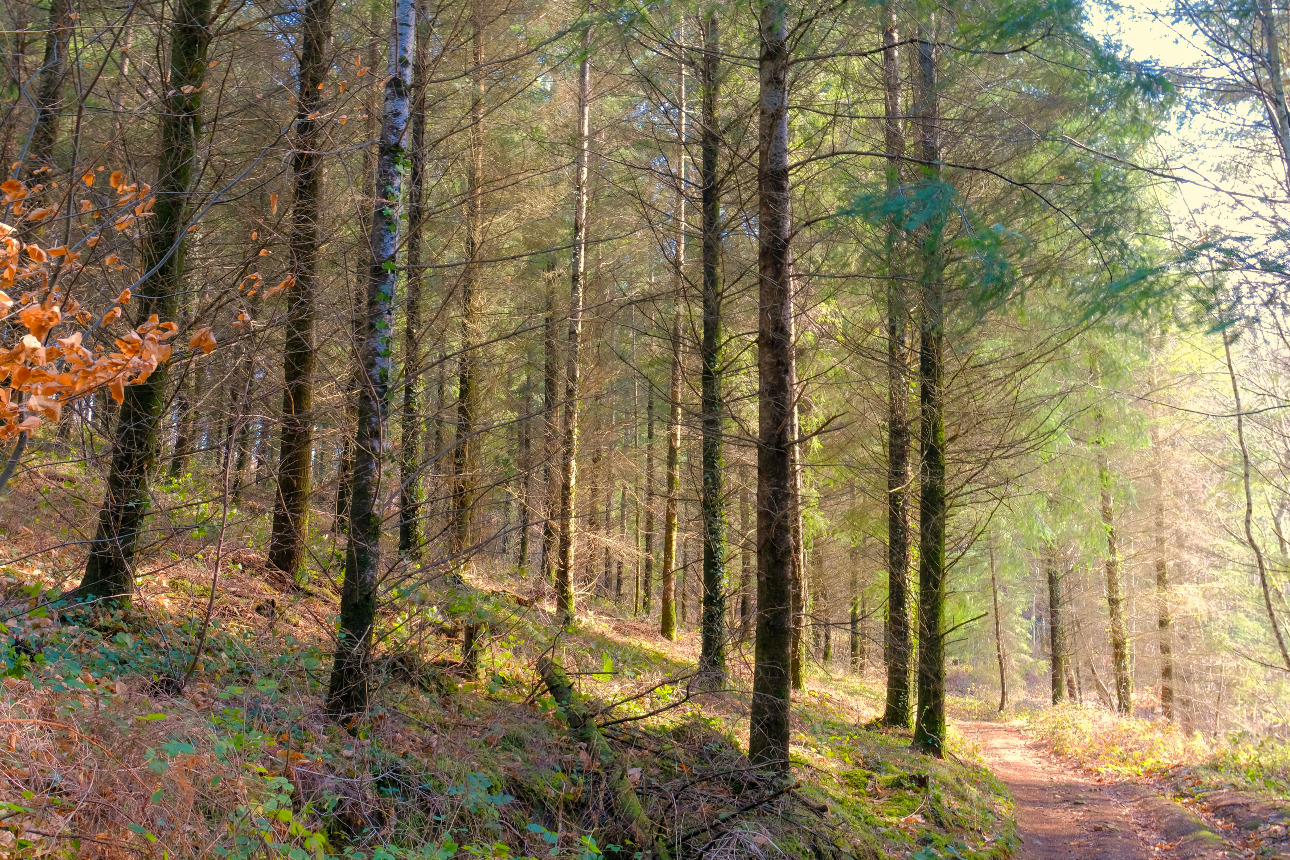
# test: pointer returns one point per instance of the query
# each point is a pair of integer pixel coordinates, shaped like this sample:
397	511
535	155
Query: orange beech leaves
37	378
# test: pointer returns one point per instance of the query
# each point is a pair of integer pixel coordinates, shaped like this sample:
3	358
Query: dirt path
1063	814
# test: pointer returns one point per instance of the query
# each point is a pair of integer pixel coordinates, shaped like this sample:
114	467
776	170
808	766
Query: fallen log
580	720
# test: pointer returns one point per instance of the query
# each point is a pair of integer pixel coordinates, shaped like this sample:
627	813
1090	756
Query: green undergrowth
1193	762
102	755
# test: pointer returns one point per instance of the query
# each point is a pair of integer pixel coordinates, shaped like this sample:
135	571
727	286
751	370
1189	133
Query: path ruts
1063	814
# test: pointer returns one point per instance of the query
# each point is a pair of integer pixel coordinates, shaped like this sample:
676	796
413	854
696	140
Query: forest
644	429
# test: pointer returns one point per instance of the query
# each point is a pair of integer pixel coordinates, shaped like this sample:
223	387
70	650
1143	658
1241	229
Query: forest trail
1064	814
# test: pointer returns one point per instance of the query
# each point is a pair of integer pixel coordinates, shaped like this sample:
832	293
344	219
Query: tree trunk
291	510
551	438
606	526
1250	539
573	365
857	613
712	654
667	621
747	565
411	465
109	570
15	51
768	735
799	640
351	671
647	573
681	578
667	614
185	423
998	634
1114	590
898	645
465	445
525	457
372	126
1164	614
622	542
49	87
1056	633
929	723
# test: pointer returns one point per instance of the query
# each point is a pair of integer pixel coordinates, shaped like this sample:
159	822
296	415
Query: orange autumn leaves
39	378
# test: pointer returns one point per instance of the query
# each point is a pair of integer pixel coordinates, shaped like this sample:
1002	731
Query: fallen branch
581	721
726	816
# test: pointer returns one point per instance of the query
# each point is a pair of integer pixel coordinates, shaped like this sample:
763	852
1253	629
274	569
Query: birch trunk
351	671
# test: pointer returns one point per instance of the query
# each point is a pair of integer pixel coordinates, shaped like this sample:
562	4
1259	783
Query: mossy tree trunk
929	717
287	544
109	570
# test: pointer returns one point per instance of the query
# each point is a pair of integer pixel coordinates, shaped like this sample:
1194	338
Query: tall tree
348	690
1160	540
769	718
573	359
1056	637
109	569
898	641
712	655
551	437
998	632
929	720
287	543
647	563
672	479
411	422
465	444
1114	588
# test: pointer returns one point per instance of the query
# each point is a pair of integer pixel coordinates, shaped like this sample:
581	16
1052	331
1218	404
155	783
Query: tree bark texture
465	445
573	361
1056	637
712	654
898	640
929	718
769	718
672	478
1114	589
351	670
290	531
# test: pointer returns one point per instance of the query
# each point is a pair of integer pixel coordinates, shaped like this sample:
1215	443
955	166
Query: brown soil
1064	814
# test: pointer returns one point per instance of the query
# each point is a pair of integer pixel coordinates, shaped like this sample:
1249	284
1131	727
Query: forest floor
101	757
1067	812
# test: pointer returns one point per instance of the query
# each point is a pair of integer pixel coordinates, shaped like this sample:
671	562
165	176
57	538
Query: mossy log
584	728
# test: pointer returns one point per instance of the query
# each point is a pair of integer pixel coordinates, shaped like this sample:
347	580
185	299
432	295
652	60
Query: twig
219	557
726	816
